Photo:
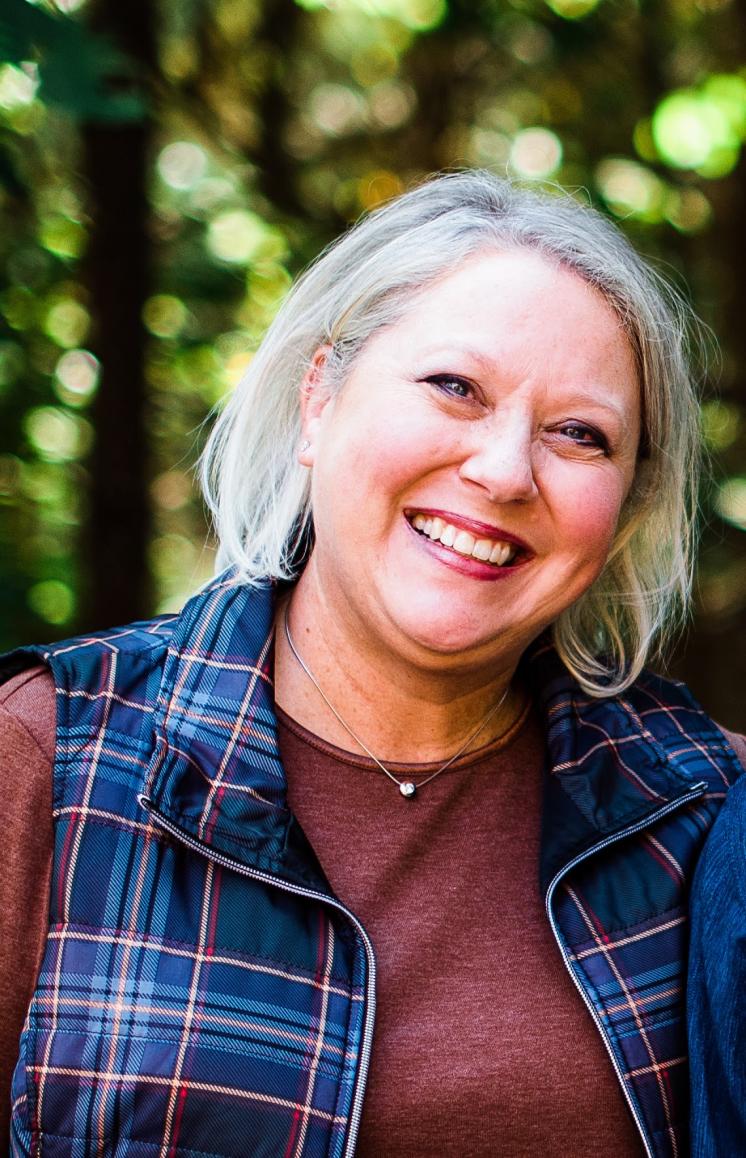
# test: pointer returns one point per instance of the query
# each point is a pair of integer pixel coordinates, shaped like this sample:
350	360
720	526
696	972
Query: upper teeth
488	550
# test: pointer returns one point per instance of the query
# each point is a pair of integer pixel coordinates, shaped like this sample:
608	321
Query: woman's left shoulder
737	743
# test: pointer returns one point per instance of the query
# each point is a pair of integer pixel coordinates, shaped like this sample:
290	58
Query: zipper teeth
695	791
298	890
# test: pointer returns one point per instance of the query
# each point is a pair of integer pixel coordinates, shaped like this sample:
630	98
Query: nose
500	460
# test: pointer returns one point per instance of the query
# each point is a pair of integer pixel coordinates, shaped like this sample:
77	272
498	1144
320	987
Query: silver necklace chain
407	788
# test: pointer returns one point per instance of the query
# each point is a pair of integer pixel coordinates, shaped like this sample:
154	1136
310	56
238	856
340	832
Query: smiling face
468	477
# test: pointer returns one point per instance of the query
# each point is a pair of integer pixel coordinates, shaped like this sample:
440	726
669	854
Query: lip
465	564
473	526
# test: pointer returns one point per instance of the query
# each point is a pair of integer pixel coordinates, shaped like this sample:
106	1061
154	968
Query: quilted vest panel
635	784
182	1006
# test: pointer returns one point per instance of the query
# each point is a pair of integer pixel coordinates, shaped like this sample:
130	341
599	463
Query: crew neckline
468	760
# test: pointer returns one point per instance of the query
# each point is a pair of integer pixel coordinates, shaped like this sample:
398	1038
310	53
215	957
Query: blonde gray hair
259	495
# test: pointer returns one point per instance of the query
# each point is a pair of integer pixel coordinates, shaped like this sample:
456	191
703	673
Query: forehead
518	305
514	283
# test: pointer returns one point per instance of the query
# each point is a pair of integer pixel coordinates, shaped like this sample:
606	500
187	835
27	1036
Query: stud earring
304	446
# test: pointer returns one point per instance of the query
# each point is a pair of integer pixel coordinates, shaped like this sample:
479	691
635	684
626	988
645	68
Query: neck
403	712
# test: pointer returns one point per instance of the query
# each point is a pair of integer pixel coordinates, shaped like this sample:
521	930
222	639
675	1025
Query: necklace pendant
407	789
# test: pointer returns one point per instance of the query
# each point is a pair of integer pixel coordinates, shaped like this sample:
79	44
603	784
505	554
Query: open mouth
496	552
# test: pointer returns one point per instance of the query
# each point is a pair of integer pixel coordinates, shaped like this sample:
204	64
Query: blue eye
584	435
451	384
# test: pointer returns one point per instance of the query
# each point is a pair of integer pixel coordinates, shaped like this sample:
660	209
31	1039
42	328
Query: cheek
379	453
358	476
590	522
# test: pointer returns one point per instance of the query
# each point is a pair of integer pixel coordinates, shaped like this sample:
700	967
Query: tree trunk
116	159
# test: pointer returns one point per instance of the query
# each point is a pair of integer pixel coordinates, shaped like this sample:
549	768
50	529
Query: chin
443	634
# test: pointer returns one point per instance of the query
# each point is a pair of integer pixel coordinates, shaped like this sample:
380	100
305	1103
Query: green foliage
76	69
275	124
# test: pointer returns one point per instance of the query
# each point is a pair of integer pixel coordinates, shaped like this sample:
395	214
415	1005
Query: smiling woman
454	497
504	419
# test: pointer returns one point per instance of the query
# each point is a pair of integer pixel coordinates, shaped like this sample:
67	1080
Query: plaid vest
204	993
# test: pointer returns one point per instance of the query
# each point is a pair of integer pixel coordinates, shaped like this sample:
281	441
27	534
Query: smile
494	551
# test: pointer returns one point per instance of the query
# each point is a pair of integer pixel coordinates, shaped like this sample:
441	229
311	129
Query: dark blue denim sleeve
717	987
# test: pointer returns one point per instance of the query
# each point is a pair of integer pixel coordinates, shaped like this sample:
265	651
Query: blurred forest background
167	166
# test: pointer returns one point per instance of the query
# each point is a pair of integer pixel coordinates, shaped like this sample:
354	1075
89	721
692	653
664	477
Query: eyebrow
582	395
457	348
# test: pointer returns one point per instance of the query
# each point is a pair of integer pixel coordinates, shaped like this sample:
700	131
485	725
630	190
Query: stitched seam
46	1134
248	958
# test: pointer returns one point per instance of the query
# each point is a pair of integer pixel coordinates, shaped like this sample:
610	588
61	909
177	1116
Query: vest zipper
366	1043
655	816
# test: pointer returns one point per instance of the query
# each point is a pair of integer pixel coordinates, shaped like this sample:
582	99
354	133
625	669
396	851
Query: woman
453	497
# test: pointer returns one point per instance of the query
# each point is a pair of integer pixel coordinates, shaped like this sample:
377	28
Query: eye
583	435
451	384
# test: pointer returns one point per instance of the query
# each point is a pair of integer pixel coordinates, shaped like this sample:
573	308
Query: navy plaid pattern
203	993
633	786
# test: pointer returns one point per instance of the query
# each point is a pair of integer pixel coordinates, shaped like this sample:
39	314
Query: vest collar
216	771
614	762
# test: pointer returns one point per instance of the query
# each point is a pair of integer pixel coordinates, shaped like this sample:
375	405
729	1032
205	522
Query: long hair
259	495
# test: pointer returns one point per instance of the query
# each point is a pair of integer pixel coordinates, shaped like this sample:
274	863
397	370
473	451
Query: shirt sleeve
27	729
717	985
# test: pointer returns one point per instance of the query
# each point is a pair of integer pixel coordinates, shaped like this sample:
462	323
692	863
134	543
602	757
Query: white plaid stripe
111	668
171	1083
618	942
188	1014
238	728
633	1009
318	1037
161	947
122	985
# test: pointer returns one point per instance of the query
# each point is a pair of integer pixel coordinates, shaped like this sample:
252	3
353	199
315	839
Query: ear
315	396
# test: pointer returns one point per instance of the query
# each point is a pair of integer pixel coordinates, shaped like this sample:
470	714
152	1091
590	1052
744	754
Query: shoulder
146	637
145	643
27	711
737	743
683	734
655	723
78	660
76	687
